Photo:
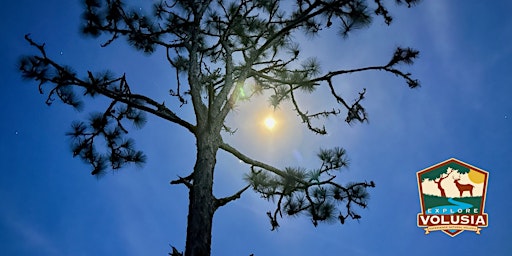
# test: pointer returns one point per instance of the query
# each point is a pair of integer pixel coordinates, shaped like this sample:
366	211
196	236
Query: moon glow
270	122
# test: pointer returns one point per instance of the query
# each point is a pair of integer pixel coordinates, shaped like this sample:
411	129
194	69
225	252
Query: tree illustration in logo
440	174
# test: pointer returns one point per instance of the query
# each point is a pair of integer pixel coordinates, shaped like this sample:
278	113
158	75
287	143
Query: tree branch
223	201
187	181
226	147
95	85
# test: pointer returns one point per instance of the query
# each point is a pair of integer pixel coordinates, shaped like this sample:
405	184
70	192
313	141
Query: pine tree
214	47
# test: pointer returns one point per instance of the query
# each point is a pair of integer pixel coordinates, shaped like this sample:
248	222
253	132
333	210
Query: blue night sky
51	205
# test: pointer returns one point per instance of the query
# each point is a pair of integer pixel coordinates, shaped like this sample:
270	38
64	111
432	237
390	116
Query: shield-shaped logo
452	195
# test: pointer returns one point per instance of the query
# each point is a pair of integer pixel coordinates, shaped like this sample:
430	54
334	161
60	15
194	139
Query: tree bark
201	199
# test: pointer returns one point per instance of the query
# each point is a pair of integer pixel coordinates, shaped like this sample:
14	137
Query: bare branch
187	181
225	200
226	147
305	118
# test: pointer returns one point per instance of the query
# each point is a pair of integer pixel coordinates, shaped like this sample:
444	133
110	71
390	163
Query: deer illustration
463	187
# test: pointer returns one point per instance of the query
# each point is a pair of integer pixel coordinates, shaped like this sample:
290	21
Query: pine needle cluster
314	193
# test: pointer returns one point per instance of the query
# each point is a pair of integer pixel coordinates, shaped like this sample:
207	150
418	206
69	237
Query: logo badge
452	195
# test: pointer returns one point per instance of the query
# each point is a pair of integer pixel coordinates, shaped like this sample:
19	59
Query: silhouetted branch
187	181
297	190
175	252
106	87
305	118
124	106
223	201
226	147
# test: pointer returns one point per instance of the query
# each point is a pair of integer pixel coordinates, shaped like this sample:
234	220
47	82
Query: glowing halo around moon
270	122
476	177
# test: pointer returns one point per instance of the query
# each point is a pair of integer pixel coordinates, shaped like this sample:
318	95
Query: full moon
270	122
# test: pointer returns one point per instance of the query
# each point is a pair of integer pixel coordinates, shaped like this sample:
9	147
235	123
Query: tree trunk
201	199
443	194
